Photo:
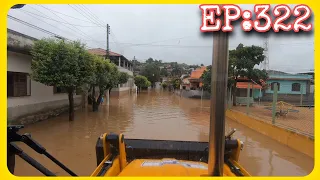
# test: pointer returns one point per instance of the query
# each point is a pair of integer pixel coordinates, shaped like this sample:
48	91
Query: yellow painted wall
295	141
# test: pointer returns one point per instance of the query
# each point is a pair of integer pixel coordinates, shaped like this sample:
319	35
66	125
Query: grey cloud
139	24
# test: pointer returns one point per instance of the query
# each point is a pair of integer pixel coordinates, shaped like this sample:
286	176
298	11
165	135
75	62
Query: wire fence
287	106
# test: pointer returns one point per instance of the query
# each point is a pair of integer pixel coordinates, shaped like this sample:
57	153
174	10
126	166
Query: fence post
248	98
274	103
230	100
301	95
260	96
201	94
107	97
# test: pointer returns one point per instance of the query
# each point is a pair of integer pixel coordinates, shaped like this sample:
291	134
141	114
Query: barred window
296	87
272	85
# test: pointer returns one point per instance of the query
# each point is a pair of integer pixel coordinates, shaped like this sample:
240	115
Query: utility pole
219	78
134	63
108	32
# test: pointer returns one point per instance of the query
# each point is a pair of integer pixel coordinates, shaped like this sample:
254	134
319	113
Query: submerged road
152	115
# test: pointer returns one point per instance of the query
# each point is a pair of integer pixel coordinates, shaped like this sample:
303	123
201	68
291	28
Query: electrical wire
82	13
55	19
33	26
92	15
76	29
40	29
66	15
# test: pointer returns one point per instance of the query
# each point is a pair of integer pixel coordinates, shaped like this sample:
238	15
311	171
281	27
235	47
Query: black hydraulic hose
59	164
31	161
234	169
106	166
41	150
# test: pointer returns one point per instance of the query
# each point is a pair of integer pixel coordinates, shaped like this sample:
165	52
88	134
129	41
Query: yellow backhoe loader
118	156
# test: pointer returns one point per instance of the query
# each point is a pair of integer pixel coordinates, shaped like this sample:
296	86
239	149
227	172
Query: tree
114	78
164	72
164	85
149	60
176	83
206	79
141	82
241	64
152	72
177	70
123	77
62	64
101	79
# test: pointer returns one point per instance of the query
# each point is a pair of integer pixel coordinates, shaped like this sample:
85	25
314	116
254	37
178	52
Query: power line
98	20
115	39
40	29
153	42
55	19
54	26
43	21
80	37
33	26
146	44
94	17
86	16
77	29
68	15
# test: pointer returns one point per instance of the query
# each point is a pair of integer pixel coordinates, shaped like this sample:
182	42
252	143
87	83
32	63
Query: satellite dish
17	6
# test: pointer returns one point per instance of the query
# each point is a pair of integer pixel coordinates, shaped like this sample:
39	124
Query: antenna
265	63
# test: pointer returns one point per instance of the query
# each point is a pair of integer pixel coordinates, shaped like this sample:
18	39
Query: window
58	90
295	87
272	85
18	84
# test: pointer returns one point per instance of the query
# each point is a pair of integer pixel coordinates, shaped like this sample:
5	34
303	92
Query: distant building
195	77
242	88
29	101
290	87
312	80
123	64
185	83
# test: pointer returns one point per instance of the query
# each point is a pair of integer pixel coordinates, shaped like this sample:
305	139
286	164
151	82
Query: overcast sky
166	32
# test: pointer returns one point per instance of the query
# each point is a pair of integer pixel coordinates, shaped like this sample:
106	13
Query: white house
124	65
29	101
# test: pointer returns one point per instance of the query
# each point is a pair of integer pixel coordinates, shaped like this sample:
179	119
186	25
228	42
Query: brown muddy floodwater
152	115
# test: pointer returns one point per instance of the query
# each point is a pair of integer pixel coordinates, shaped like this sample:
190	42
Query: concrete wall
289	138
19	41
42	97
122	69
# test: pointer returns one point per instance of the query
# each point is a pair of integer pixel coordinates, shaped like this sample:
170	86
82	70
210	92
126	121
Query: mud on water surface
152	115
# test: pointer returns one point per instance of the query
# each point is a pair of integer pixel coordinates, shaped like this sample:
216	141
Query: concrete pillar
119	66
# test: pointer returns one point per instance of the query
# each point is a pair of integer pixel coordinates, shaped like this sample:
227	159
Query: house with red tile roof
195	77
123	64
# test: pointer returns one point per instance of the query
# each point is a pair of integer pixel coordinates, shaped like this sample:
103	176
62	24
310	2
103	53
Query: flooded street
152	115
